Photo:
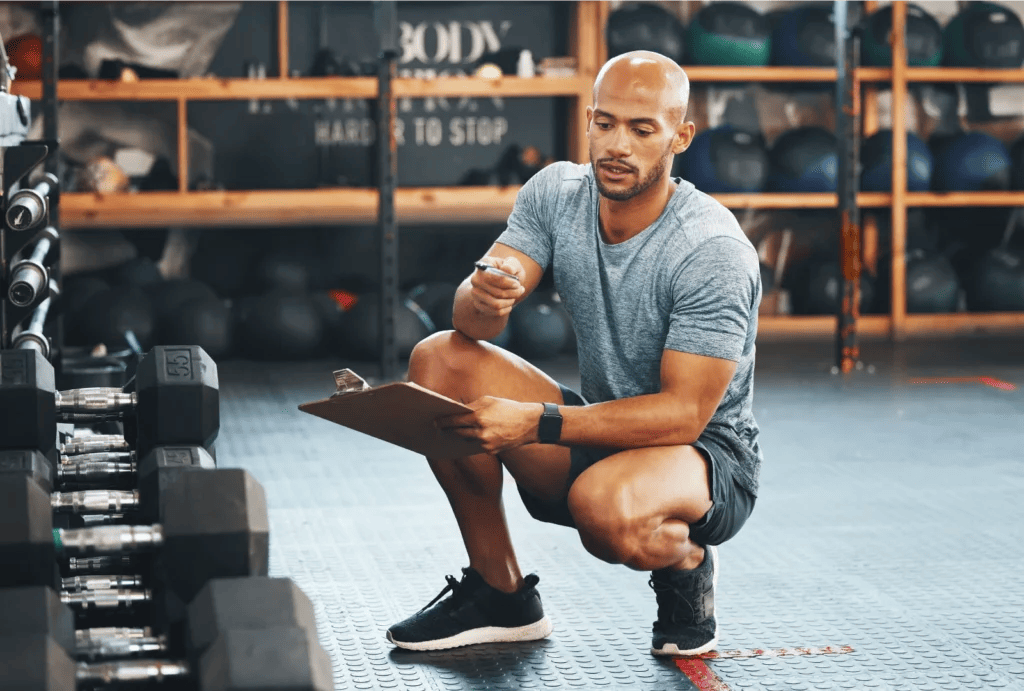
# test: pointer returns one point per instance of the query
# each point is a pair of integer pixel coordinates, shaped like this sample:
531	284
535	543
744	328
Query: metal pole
385	15
847	112
51	63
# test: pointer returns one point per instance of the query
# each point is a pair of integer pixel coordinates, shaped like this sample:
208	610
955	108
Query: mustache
612	161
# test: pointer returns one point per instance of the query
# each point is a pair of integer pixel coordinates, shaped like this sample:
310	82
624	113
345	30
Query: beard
656	173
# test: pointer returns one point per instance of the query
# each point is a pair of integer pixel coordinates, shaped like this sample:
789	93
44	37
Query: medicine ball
79	290
804	160
26	53
969	162
203	321
924	38
729	33
277	271
996	283
224	266
725	160
820	293
437	299
932	284
110	313
984	34
1017	165
168	296
876	162
645	27
805	36
139	273
277	326
361	337
538	330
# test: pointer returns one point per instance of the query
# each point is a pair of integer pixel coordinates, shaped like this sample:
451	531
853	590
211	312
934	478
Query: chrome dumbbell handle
106	600
129	672
78	584
93	404
100	564
108	539
114	642
93	471
97	443
95	501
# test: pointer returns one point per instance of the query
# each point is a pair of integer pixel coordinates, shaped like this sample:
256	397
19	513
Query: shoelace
667	610
454	587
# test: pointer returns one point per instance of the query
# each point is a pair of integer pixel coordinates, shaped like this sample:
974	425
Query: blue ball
805	37
804	160
971	162
724	160
876	159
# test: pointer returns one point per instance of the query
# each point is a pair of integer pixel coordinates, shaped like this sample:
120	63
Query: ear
590	117
684	135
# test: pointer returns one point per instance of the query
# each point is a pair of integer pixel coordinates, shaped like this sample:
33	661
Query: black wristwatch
549	430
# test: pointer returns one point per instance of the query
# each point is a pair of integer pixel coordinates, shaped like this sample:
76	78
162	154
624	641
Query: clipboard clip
348	381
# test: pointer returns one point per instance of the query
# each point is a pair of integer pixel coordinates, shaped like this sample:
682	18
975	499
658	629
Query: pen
491	269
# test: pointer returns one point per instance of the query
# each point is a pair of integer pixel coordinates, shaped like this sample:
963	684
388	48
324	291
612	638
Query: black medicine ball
645	27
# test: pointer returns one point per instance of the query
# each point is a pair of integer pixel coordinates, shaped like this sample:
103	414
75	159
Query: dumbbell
173	399
30	275
213	524
269	616
29	207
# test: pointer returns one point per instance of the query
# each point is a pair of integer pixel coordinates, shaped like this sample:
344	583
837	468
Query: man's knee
442	353
604	518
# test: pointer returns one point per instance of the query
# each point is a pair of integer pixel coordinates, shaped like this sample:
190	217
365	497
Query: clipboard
401	413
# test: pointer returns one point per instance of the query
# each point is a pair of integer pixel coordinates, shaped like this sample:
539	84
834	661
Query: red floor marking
705	679
987	381
700	675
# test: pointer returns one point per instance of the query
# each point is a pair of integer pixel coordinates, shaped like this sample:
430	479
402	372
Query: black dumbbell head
246	603
178	398
274	659
34	662
36	609
27	404
29	463
159	467
27	554
215	525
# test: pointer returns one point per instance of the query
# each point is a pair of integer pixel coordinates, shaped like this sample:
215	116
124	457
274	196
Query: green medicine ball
984	34
729	33
924	38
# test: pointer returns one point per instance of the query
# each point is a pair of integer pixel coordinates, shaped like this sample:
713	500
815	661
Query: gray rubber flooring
890	519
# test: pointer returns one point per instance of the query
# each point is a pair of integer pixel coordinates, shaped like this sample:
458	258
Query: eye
604	125
644	133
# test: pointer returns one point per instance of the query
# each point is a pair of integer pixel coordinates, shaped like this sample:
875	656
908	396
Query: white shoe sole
671	649
487	634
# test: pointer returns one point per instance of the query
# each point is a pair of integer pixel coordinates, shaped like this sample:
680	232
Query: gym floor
888	537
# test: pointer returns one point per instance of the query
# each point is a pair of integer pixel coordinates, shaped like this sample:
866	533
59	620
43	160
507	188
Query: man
658	460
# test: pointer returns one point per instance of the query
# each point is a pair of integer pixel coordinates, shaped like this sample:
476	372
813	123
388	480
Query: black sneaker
475	613
686	608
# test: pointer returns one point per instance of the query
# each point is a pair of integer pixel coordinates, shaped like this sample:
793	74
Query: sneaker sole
671	649
487	634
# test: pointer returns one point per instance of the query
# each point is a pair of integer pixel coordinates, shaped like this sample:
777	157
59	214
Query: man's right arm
484	299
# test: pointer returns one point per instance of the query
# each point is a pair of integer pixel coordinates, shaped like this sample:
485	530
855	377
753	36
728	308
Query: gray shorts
732	502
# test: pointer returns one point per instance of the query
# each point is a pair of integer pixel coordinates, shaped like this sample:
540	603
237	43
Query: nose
618	143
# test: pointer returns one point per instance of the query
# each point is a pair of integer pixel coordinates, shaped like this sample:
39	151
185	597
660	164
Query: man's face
632	134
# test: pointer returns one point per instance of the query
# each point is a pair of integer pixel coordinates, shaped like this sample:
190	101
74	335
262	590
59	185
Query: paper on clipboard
401	413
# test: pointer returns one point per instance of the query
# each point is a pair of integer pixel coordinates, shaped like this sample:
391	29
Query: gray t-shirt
689	282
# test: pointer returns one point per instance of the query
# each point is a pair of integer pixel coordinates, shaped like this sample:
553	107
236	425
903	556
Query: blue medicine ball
804	160
970	162
876	162
805	36
723	160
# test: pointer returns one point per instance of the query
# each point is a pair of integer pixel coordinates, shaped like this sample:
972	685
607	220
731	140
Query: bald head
647	74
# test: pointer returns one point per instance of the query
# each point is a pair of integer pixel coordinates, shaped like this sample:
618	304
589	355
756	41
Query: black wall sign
282	144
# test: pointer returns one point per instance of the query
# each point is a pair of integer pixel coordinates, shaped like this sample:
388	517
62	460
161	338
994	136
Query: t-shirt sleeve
531	225
714	300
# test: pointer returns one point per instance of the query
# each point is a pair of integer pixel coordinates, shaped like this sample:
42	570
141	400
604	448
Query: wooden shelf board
816	326
963	74
964	324
939	199
215	89
283	207
704	73
778	200
878	326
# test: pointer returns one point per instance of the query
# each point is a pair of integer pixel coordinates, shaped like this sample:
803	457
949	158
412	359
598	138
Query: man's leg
494	601
636	508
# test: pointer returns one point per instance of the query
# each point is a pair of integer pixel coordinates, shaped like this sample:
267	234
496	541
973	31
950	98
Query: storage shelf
216	89
283	207
704	73
878	326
